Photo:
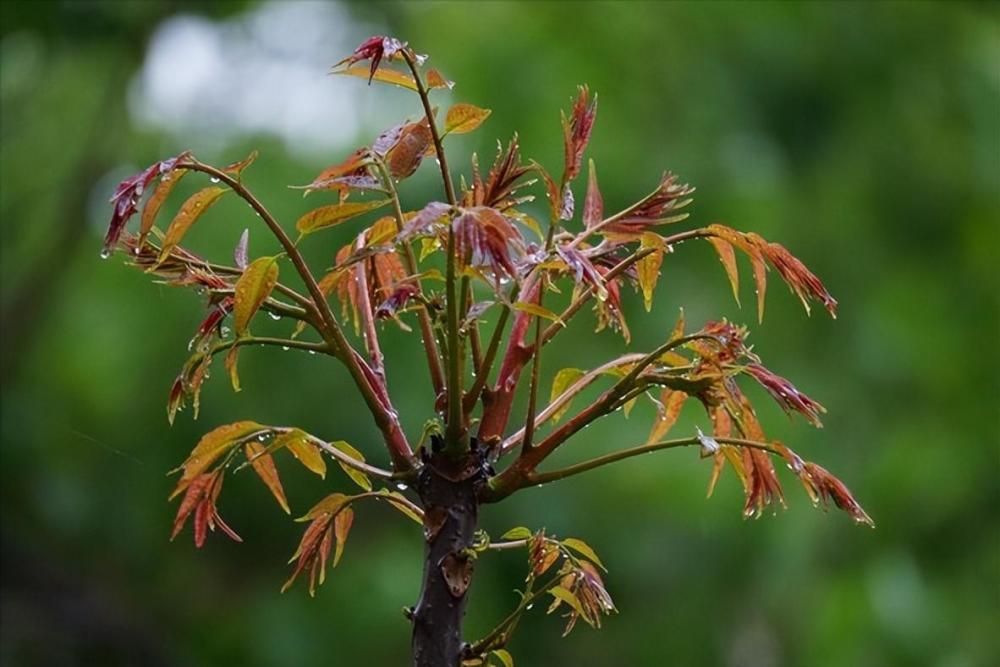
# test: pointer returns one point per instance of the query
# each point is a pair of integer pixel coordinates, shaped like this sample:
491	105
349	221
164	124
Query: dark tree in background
445	268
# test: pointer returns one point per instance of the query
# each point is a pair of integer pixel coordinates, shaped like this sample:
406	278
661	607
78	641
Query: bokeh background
864	137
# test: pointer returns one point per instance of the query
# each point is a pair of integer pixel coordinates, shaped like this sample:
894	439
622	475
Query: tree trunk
448	491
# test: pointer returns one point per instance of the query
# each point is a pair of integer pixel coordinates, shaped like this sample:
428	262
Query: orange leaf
163	189
263	465
341	527
252	290
211	446
728	258
672	401
648	268
463	118
382	75
191	210
327	216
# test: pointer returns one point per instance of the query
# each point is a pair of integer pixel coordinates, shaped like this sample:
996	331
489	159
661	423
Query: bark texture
448	490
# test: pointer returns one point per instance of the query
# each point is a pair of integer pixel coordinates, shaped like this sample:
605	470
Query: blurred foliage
863	137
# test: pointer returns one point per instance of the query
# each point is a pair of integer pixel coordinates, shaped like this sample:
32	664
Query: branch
569	471
382	411
285	343
513	477
367	315
352	462
585	381
423	317
456	441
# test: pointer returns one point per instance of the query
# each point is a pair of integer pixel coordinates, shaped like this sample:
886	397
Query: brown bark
448	490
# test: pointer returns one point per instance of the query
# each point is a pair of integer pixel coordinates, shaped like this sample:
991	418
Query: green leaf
503	656
399	501
334	214
464	117
252	289
569	598
584	550
518	533
356	475
302	448
648	268
538	311
191	210
564	380
332	504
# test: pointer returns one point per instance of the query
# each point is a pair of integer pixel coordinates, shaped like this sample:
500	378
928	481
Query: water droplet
224	331
274	316
528	608
105	253
401	486
214	179
285	348
312	351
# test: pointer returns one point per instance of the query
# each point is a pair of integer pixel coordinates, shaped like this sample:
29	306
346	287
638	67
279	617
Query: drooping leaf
232	359
390	76
648	268
464	117
563	380
126	198
356	475
327	216
760	279
191	210
672	402
303	449
584	550
728	258
252	290
168	181
329	505
213	445
399	501
263	464
341	527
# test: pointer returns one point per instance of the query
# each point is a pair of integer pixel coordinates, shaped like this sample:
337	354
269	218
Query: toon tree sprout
445	266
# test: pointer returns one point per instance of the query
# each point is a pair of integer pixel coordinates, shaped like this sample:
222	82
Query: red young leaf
576	132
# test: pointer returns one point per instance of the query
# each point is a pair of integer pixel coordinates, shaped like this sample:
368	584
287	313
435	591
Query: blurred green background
863	137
